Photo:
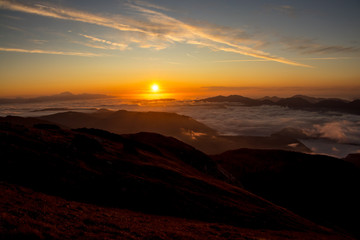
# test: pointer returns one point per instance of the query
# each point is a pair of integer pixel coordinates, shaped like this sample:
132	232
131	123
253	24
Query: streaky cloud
327	58
65	14
113	45
158	30
151	5
310	46
19	50
241	60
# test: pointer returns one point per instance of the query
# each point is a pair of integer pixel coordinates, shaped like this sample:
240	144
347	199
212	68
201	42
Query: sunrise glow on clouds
140	41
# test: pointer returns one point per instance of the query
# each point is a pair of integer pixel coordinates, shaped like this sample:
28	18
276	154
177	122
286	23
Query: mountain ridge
301	102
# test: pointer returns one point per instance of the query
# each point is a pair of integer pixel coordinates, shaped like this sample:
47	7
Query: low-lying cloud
325	132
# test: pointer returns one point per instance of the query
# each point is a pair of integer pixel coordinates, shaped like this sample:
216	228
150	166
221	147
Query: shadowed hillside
143	172
34	215
320	188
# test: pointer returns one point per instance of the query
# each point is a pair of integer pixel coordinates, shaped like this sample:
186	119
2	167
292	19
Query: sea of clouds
332	133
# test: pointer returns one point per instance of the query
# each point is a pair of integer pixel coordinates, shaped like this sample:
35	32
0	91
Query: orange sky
121	47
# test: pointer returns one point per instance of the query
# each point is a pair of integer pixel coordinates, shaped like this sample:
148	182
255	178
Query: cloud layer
19	50
150	27
331	133
310	46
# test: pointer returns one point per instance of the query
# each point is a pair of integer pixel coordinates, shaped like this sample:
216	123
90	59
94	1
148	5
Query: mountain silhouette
65	96
301	102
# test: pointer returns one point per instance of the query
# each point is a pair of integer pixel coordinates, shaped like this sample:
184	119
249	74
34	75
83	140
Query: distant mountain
320	188
146	172
272	99
181	127
233	98
65	96
123	121
297	102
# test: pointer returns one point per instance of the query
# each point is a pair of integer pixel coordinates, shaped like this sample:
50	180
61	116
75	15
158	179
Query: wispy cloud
111	45
154	29
327	58
12	28
310	46
151	5
65	14
242	60
82	54
38	41
286	9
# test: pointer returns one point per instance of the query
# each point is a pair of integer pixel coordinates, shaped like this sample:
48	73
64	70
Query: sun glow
154	88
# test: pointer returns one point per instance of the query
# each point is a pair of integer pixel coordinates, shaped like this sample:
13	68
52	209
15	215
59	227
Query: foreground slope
320	188
124	171
34	215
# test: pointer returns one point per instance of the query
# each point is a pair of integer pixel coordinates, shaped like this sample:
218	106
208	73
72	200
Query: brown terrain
33	215
58	183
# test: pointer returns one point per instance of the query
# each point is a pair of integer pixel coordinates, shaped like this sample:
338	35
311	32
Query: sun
154	88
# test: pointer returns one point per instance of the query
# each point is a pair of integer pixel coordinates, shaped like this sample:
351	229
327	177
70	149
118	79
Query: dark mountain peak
233	98
307	98
294	102
271	99
302	102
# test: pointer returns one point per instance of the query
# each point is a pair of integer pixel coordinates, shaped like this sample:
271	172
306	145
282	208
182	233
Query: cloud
82	54
153	29
309	46
340	131
287	9
151	5
328	58
38	41
192	134
13	28
65	14
242	60
113	45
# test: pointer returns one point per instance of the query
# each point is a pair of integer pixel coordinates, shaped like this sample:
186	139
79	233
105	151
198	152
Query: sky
190	49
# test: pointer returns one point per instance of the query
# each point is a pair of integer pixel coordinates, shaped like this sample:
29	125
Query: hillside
320	188
94	167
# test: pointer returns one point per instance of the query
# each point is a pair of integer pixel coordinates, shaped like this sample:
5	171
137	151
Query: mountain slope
34	215
123	171
320	188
